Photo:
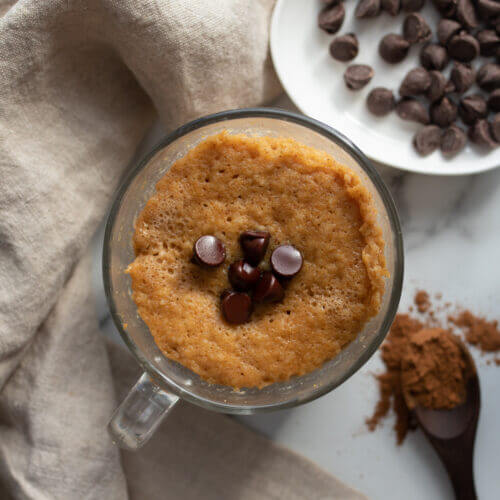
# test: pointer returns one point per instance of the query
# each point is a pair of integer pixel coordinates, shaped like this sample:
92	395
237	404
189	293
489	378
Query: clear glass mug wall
165	381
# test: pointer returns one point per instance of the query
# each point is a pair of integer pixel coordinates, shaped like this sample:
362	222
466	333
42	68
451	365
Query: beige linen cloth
80	81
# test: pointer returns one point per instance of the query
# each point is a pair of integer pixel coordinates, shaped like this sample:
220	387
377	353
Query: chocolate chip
443	112
286	261
463	47
488	9
489	42
412	5
416	29
446	8
254	245
345	47
488	77
438	86
268	288
236	307
392	7
412	110
209	251
380	101
462	76
495	127
367	8
433	56
331	18
480	134
472	108
494	100
453	140
243	275
357	76
416	82
393	48
446	29
466	14
427	140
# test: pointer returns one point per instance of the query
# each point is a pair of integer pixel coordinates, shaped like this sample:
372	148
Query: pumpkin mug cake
257	259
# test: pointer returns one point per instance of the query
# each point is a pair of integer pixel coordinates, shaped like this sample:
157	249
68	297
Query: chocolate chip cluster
467	30
250	284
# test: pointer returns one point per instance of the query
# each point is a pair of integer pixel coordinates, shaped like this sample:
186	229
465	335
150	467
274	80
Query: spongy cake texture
231	183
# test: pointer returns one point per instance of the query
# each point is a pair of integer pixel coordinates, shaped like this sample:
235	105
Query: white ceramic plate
314	82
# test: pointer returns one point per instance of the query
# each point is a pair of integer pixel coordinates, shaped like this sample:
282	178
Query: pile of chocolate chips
250	284
468	29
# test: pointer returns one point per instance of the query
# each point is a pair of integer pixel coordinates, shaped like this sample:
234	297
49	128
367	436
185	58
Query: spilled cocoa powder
420	355
479	332
422	301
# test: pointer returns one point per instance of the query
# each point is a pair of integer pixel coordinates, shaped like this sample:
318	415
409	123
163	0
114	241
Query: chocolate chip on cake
438	86
345	47
446	8
427	139
286	261
446	29
209	251
453	140
268	288
416	82
412	110
380	101
494	100
254	245
463	47
443	112
480	134
462	76
495	127
466	14
242	275
489	42
488	77
357	76
393	48
412	5
331	18
472	108
236	307
416	29
433	56
367	8
392	7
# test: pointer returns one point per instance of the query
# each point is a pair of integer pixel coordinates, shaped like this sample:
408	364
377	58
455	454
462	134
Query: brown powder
433	370
390	389
478	331
422	301
436	380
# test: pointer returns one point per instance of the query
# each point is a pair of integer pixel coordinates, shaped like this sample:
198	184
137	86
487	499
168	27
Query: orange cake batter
231	183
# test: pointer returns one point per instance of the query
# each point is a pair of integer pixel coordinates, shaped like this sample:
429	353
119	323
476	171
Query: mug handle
140	413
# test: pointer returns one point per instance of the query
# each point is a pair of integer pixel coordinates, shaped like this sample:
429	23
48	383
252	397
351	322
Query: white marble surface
451	227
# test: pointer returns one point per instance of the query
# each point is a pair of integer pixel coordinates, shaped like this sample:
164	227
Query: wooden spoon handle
462	478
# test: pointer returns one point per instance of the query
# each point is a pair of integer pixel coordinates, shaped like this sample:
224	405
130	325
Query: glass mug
165	381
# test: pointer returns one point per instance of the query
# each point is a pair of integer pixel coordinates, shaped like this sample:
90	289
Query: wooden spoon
452	432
